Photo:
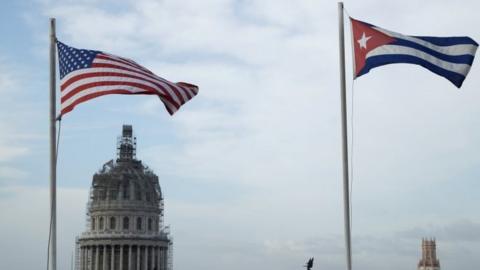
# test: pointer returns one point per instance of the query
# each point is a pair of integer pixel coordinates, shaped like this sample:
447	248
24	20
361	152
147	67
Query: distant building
125	228
429	259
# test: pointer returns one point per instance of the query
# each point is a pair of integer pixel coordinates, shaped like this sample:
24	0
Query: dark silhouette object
309	264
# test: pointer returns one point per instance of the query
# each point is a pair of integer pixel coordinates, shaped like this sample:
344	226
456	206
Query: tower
429	259
125	228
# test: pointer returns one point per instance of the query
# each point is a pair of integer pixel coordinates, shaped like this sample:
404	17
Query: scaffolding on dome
124	189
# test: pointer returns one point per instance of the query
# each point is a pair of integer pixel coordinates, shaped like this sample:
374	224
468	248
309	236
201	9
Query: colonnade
123	257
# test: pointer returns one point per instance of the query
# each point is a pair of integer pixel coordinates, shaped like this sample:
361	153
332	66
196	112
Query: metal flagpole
53	154
343	101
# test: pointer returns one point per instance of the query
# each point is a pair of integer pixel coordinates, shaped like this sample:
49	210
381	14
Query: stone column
86	258
158	258
97	256
161	258
91	266
129	257
145	258
138	258
82	257
112	264
152	257
104	264
165	258
121	258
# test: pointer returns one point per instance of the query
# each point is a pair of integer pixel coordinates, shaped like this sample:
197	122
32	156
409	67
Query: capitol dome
125	228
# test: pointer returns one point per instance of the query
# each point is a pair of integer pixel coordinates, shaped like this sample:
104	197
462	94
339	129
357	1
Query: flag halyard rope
59	120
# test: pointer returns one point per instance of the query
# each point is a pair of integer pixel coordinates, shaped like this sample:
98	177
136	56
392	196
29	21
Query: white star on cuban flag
363	41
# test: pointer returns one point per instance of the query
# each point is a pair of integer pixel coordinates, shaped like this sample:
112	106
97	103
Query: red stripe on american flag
147	88
99	94
192	89
98	74
173	87
121	76
140	69
129	67
136	68
124	61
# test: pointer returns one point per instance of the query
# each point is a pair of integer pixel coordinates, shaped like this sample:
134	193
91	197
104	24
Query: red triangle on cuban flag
365	39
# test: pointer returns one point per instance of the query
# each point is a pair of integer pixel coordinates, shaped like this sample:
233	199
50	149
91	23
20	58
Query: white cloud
266	121
8	173
24	228
10	152
459	231
6	81
12	145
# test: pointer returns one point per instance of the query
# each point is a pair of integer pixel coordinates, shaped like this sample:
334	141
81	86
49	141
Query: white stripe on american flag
122	76
172	88
127	61
143	85
102	58
103	89
117	67
114	80
111	73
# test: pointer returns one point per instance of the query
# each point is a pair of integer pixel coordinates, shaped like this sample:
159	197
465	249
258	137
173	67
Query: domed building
125	228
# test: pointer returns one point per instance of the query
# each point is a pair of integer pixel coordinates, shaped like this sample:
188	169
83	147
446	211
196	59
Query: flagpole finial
52	25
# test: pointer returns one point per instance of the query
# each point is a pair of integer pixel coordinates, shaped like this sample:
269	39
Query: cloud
253	92
6	81
12	174
24	230
11	152
12	140
458	231
250	168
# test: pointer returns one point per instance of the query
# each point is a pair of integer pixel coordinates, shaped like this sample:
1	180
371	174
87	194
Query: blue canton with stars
72	59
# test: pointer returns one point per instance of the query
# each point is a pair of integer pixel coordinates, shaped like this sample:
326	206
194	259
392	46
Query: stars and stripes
449	57
87	74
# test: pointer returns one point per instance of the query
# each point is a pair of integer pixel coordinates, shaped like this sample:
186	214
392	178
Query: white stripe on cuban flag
449	57
457	49
402	50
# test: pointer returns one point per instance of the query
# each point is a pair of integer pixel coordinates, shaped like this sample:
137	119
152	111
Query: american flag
87	74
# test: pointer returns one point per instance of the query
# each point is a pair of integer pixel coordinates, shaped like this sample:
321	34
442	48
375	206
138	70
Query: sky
250	168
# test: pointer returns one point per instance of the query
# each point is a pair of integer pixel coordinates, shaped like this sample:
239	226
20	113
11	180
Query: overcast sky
251	167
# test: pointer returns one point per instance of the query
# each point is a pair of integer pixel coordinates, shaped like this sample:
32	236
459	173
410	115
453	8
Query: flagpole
343	101
53	153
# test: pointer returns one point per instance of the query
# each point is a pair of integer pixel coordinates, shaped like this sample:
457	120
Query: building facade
125	228
429	259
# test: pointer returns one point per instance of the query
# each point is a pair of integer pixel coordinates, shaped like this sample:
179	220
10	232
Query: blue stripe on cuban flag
449	57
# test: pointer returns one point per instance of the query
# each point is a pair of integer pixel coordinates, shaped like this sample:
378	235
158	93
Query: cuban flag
449	57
